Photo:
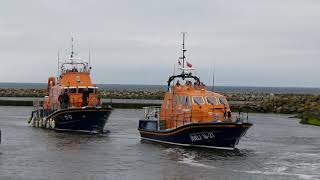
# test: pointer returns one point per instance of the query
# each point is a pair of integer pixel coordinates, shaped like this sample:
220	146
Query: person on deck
98	102
60	99
196	83
65	100
74	69
85	97
178	83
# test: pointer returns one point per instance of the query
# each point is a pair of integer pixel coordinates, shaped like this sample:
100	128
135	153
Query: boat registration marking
68	117
201	136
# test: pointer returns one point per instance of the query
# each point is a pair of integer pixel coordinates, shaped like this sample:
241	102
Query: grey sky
251	42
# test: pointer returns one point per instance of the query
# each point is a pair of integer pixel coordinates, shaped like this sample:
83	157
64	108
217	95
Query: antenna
58	64
89	60
213	73
72	48
183	50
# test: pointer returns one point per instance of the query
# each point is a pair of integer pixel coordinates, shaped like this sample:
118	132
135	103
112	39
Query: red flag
189	65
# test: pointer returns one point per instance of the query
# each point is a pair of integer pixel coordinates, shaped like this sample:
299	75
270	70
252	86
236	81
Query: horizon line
310	87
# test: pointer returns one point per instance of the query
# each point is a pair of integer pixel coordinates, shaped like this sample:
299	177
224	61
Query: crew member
98	102
178	83
60	99
85	97
66	98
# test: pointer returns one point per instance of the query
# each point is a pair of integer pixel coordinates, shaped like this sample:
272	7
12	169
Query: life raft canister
51	82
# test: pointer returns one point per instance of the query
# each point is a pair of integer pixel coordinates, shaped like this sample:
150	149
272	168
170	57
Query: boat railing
152	113
180	119
242	117
38	108
185	117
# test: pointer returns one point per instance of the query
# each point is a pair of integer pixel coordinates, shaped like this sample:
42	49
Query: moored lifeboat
192	115
72	103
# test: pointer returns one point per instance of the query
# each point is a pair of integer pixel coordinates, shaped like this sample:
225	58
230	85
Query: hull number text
201	136
68	117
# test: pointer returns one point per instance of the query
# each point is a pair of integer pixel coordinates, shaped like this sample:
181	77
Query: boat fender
48	124
33	121
37	123
40	123
53	124
44	122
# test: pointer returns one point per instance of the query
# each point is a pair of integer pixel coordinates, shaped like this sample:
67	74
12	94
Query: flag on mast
189	65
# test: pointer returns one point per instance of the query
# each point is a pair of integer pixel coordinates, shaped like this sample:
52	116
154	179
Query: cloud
260	43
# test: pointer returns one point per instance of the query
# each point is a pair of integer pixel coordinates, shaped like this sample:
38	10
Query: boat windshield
223	100
198	100
212	100
70	90
182	99
91	90
187	103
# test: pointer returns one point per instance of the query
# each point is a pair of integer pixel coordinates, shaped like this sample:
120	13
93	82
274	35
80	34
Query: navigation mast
183	51
72	50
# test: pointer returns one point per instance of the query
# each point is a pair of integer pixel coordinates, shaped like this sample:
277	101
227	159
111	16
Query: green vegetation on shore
310	120
311	115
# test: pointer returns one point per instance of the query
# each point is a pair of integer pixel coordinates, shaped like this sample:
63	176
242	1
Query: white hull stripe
188	145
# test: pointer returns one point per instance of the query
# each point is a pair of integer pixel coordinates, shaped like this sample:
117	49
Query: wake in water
276	170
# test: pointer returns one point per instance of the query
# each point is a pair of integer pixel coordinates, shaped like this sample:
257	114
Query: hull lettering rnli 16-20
191	115
72	103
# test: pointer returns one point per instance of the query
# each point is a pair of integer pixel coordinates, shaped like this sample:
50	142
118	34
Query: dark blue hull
209	135
80	119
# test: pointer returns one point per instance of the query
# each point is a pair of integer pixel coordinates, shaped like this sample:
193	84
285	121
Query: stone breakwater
306	105
18	92
103	93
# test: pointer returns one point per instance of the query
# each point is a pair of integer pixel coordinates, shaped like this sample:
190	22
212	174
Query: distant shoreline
151	88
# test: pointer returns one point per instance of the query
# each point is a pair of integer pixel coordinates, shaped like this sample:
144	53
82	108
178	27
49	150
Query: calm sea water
228	89
277	147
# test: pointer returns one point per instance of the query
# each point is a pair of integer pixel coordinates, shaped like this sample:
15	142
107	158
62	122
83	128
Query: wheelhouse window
72	90
198	100
181	99
80	90
223	100
91	90
187	102
211	100
175	100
